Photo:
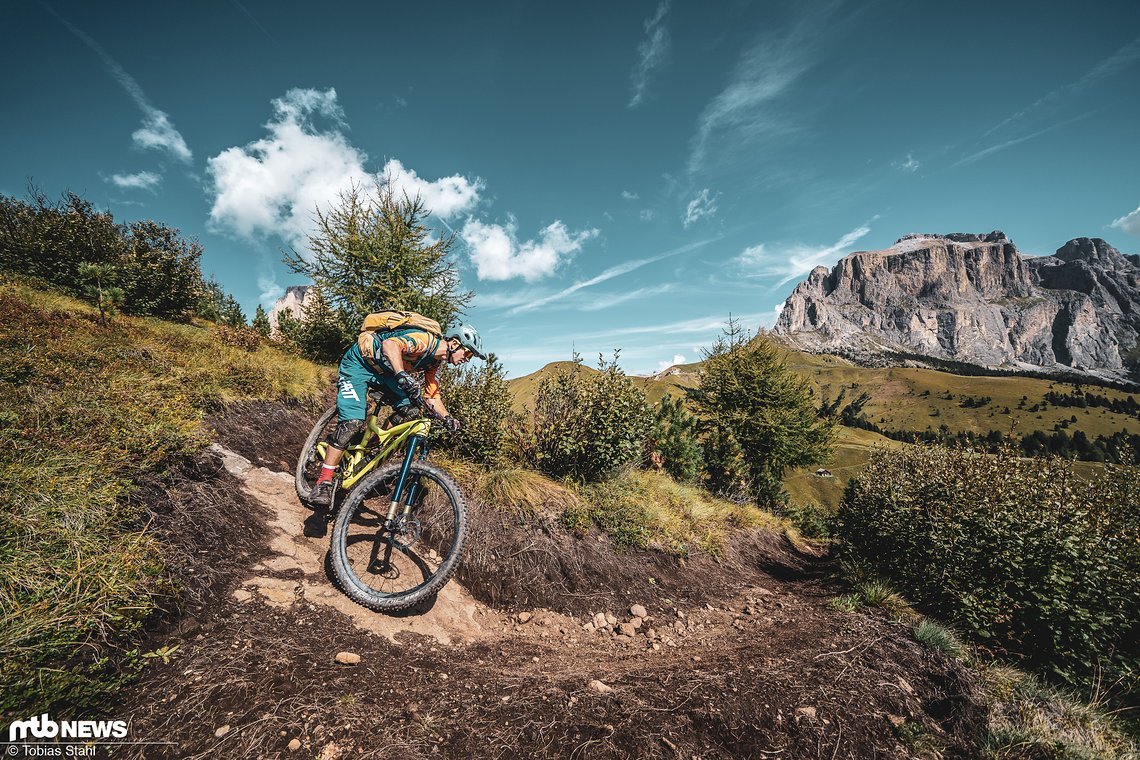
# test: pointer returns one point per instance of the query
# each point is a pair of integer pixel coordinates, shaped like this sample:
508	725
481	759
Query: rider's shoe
322	494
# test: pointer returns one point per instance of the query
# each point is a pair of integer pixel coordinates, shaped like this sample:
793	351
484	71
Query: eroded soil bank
736	658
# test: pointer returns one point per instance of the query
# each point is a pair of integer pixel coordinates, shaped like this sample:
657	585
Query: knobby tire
367	560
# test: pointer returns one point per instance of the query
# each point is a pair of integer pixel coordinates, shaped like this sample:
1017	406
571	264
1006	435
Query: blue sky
621	175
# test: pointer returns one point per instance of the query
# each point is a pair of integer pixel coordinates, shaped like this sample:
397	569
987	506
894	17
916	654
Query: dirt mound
740	657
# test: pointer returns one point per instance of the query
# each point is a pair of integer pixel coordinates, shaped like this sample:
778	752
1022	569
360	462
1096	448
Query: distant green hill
903	399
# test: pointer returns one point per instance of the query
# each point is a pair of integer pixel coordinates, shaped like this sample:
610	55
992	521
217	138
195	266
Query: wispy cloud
497	254
909	164
629	196
256	23
647	215
610	300
609	274
272	186
1026	124
1129	223
744	112
794	261
138	181
1010	143
157	132
702	205
651	54
1119	61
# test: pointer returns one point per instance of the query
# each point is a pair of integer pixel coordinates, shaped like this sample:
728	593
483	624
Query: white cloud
609	274
445	197
795	261
498	255
745	113
702	205
647	215
677	359
157	132
139	181
629	196
1129	223
651	52
270	291
272	186
609	300
907	165
753	254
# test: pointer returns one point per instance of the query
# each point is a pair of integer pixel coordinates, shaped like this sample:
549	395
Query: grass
1031	719
652	511
938	637
87	411
874	594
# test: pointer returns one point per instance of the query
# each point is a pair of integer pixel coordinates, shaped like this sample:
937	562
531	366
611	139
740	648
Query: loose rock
600	687
638	611
524	617
221	731
348	658
294	745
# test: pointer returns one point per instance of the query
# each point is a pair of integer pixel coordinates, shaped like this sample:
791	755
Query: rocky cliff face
293	302
975	298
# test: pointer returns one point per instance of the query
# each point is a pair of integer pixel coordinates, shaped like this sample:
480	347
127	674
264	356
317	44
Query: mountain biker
398	354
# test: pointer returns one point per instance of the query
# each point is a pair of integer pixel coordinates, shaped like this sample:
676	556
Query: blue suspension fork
416	444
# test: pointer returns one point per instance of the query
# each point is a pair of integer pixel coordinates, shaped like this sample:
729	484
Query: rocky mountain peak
974	298
1094	251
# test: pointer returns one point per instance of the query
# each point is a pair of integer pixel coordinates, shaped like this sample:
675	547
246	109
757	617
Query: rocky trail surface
274	662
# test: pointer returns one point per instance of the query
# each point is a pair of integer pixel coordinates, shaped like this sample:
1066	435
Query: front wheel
394	565
310	461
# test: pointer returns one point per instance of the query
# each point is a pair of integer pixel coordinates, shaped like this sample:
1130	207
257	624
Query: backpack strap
379	363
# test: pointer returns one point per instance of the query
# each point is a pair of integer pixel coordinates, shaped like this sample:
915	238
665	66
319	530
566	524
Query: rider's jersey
414	345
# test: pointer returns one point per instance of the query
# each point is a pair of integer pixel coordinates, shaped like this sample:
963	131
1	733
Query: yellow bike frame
373	448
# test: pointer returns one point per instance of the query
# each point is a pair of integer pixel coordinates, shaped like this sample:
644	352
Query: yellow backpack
389	320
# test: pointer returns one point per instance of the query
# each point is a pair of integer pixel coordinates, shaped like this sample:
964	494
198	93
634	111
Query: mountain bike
398	533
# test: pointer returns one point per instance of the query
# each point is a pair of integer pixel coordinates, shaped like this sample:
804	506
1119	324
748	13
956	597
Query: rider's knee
345	432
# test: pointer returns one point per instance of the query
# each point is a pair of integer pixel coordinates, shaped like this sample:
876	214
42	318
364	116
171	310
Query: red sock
326	475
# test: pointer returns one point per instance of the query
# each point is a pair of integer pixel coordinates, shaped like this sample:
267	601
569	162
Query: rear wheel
310	461
395	566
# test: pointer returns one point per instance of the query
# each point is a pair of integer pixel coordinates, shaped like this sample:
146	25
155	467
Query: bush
674	439
586	425
1022	555
757	414
157	271
479	398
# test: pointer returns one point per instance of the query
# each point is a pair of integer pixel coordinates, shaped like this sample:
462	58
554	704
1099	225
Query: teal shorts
355	378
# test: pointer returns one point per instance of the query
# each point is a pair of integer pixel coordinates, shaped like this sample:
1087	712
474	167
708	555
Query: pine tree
261	322
675	438
321	336
754	407
374	251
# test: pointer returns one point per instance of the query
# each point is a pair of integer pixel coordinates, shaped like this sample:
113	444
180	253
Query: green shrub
675	440
756	413
1021	555
157	271
477	395
586	425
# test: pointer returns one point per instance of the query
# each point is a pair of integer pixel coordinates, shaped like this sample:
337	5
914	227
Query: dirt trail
754	665
296	568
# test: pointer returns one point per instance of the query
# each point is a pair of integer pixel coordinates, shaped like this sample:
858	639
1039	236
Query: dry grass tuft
1031	719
